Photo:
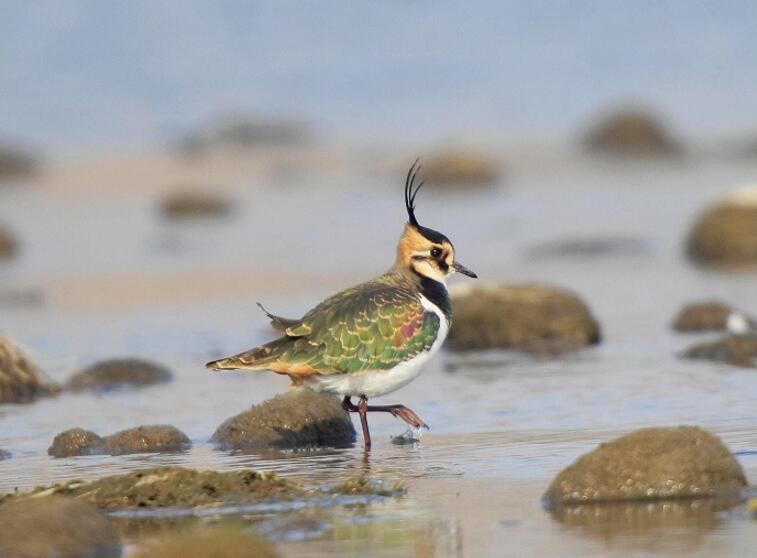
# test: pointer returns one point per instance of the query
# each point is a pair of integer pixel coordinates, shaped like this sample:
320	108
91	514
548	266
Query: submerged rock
4	454
631	133
158	438
76	441
147	439
533	318
738	350
218	542
460	168
725	235
296	419
119	373
703	316
174	487
20	381
650	464
8	244
194	203
57	527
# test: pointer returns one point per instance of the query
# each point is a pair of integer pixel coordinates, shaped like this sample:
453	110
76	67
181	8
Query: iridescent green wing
373	326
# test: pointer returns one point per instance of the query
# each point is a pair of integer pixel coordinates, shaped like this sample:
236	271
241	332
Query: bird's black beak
460	268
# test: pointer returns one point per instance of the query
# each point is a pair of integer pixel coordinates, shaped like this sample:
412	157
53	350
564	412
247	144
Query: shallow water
116	280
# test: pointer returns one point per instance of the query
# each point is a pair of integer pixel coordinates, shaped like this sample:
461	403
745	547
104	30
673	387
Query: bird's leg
400	411
348	405
362	409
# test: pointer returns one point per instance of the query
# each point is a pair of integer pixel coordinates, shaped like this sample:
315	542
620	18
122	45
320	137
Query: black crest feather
411	190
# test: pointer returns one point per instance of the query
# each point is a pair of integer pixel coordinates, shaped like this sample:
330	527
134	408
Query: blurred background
163	166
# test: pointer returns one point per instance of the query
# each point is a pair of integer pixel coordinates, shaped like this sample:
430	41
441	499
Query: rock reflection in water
678	525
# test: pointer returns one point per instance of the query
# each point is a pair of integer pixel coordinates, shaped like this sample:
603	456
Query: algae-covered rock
460	167
738	350
298	418
708	315
20	381
8	244
53	527
725	235
158	438
147	439
218	542
119	373
194	203
533	318
4	454
173	487
631	133
650	464
76	441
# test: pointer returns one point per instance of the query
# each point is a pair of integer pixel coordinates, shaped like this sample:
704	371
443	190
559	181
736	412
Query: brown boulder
193	203
631	133
298	418
119	373
738	350
158	438
650	464
8	244
57	527
709	315
20	381
75	441
725	235
16	164
460	167
533	318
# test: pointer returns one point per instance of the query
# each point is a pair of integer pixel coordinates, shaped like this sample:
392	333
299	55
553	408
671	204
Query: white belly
373	383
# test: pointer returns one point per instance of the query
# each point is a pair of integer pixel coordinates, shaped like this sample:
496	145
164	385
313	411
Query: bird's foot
410	436
402	412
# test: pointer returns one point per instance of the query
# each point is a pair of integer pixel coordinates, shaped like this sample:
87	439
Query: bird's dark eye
436	252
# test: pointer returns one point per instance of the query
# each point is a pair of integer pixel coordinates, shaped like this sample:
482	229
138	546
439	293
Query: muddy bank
55	527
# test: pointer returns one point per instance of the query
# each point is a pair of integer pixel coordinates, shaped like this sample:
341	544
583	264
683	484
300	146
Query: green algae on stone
119	373
174	487
55	527
650	464
738	350
213	542
297	419
365	485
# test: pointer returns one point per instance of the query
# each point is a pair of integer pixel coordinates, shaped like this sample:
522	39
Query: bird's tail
259	358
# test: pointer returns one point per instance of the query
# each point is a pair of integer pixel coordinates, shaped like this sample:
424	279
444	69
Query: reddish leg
362	408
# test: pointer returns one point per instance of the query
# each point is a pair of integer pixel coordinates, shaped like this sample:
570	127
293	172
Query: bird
374	338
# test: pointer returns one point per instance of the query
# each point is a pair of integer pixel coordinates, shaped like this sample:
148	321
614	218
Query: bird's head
422	250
